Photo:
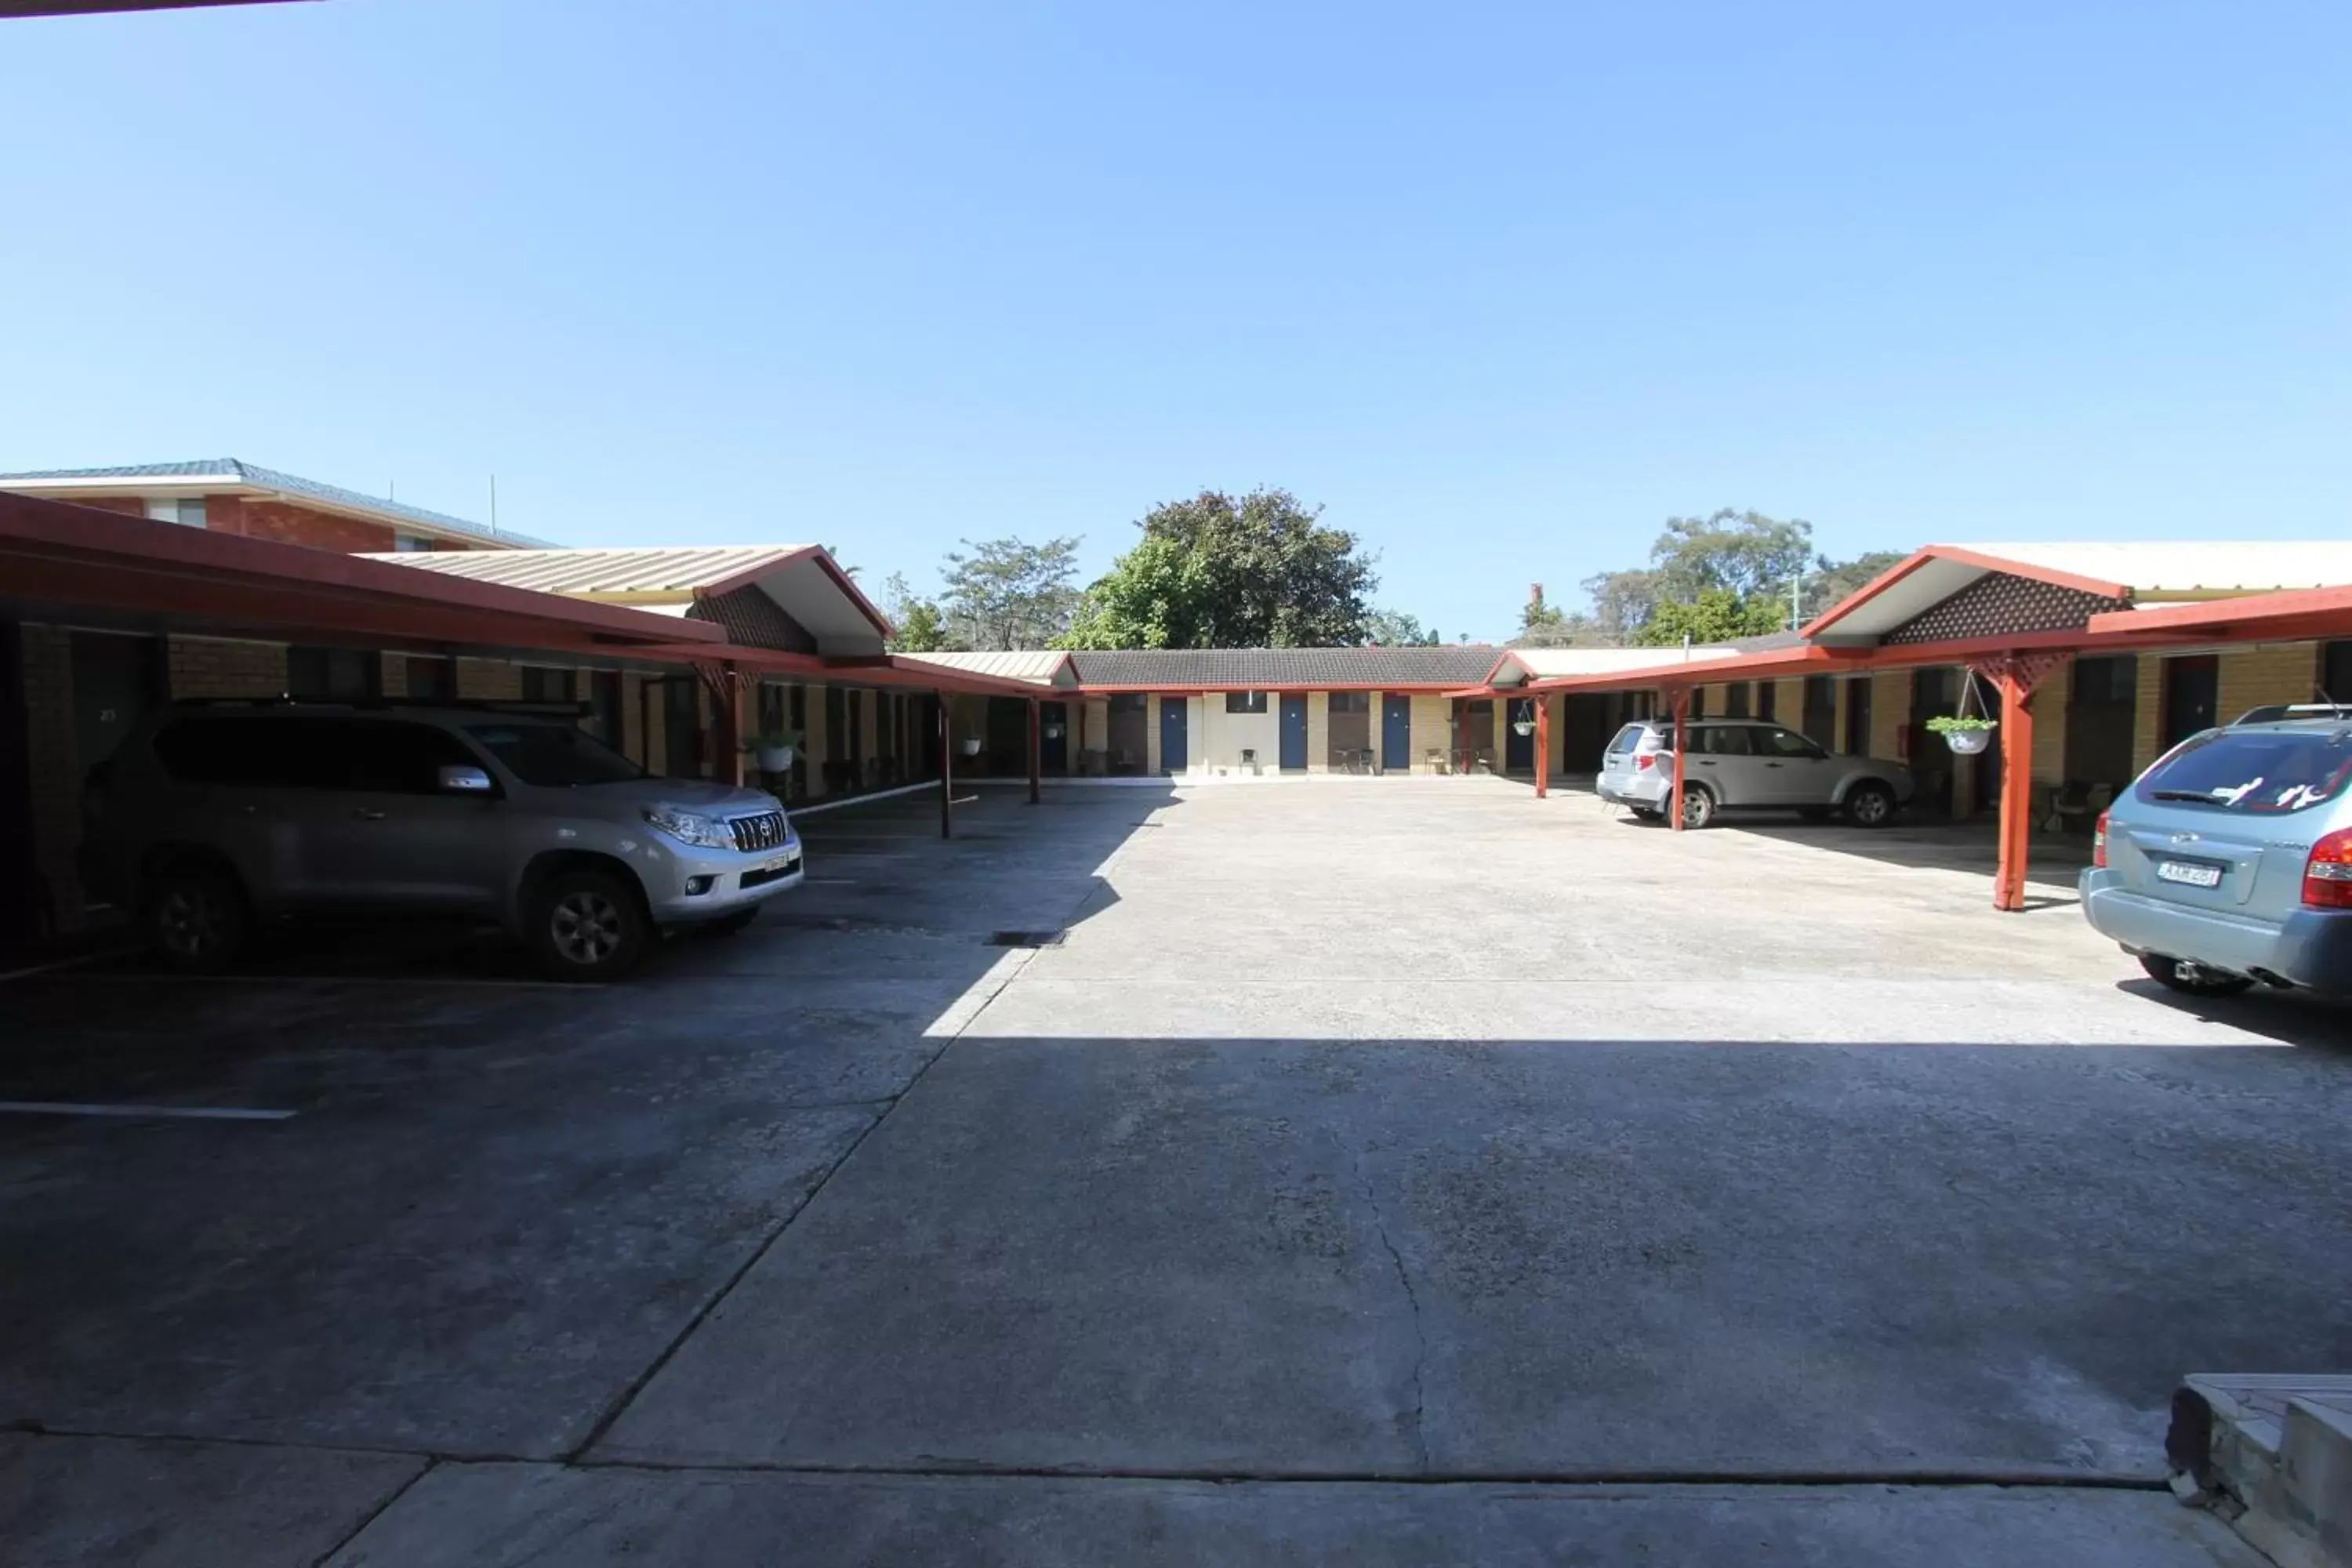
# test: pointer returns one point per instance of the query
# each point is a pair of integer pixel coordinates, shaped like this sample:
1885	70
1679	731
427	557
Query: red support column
947	771
1036	748
1543	745
2016	790
1682	716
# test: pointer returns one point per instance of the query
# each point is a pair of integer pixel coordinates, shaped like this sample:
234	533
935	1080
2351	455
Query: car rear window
2263	772
1626	738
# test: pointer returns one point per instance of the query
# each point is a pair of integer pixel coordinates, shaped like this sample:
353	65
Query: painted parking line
176	1112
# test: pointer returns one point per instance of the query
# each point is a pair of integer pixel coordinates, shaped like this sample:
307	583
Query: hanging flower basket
969	745
1523	726
775	759
1966	736
1054	732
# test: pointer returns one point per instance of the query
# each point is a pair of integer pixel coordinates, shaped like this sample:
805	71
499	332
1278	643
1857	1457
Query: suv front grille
762	832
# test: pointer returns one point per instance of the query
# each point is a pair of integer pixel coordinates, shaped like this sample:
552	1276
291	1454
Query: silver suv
2231	859
210	817
1736	763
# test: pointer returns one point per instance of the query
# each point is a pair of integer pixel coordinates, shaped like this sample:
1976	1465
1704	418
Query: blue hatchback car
2230	860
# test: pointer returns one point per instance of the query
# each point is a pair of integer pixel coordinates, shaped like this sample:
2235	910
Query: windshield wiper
2205	795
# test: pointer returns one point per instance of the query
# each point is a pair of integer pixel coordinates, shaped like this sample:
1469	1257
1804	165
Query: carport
2013	616
88	570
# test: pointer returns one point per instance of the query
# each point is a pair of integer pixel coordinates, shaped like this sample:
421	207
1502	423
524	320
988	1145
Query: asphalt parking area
1354	1136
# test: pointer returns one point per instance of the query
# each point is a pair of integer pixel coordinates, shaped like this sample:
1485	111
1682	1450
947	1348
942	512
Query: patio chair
1438	761
2074	805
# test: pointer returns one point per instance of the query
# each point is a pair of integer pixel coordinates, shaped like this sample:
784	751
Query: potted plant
969	745
774	750
1523	726
1055	728
1967	736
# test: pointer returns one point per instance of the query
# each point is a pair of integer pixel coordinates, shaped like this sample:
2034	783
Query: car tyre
1870	804
587	925
197	918
1699	806
2191	979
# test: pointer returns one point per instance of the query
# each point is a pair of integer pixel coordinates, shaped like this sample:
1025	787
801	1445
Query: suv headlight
687	828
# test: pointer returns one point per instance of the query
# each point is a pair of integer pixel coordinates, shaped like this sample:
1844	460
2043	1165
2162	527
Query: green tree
1215	571
921	627
1841	579
1004	594
1394	628
1714	615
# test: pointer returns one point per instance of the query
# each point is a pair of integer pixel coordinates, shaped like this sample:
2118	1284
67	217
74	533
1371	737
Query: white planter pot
775	759
969	746
1968	742
1523	726
1054	732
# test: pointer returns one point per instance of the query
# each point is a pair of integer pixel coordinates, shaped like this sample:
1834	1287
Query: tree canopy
921	627
1006	593
1216	570
1394	628
1725	575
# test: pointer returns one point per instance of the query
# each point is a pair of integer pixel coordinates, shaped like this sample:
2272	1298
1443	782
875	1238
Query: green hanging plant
1949	723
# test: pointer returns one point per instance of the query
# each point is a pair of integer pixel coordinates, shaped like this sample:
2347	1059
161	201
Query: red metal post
1543	746
2016	790
1036	748
947	771
1682	715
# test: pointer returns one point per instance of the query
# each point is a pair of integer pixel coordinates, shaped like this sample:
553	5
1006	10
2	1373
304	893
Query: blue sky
1501	286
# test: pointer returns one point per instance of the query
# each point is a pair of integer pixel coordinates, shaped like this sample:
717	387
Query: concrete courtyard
1394	1171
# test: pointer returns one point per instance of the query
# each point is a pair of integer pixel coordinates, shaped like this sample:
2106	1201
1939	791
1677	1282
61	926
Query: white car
1743	764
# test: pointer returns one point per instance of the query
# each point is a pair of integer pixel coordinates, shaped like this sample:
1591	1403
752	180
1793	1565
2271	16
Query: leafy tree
1714	615
920	626
1215	571
1394	628
1840	580
1004	594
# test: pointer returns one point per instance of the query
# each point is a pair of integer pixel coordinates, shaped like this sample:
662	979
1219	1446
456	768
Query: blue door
1294	734
1172	735
1396	733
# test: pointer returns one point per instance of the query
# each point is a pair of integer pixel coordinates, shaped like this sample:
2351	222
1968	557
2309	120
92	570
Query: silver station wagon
2230	860
1736	765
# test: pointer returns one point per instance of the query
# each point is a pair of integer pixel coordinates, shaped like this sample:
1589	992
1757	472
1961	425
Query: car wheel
197	919
727	925
588	925
1699	806
1870	804
2191	979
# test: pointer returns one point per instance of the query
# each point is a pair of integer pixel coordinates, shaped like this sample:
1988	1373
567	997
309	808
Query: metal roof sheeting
228	472
2194	566
589	572
1040	665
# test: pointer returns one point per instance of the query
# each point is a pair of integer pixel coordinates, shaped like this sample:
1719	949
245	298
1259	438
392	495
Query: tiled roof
652	569
1297	668
229	470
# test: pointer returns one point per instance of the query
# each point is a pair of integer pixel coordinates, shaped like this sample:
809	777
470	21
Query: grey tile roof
1299	667
242	473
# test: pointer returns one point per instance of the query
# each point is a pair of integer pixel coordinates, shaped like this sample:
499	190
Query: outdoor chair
2073	806
1438	762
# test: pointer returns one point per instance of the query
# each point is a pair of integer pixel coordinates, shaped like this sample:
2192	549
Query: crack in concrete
1413	1298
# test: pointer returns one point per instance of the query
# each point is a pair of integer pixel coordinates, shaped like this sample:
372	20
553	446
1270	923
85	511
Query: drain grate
1026	938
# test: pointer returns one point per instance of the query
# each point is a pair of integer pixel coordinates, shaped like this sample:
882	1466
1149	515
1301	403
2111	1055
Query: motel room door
1294	733
1396	733
1172	758
1520	751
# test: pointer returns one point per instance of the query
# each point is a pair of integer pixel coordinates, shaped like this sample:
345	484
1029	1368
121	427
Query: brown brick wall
209	667
54	771
2283	672
489	680
299	525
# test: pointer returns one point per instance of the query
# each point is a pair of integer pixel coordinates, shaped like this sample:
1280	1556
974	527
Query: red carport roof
2295	616
880	669
56	558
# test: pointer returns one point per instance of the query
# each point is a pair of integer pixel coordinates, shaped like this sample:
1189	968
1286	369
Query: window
1724	741
2335	672
541	684
554	756
1767	699
387	757
2256	772
605	706
432	679
1625	739
303	752
410	543
1786	743
332	674
188	511
1245	701
1735	699
1697	705
1351	702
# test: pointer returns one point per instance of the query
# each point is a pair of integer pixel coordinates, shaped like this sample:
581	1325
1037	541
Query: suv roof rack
2273	712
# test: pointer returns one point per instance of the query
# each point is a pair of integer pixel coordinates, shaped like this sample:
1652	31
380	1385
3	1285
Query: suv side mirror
466	780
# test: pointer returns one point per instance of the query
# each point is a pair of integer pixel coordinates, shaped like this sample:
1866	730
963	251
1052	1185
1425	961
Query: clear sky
1502	286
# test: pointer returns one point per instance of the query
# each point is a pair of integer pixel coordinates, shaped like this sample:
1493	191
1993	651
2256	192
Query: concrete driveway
1666	1195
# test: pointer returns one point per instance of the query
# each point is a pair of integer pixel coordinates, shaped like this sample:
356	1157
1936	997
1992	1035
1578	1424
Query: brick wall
289	524
55	771
2280	672
819	743
1432	728
489	680
1890	711
1318	732
632	720
2049	708
1151	733
212	666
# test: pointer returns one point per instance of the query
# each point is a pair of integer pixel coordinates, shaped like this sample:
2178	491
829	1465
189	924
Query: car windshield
2258	772
554	756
